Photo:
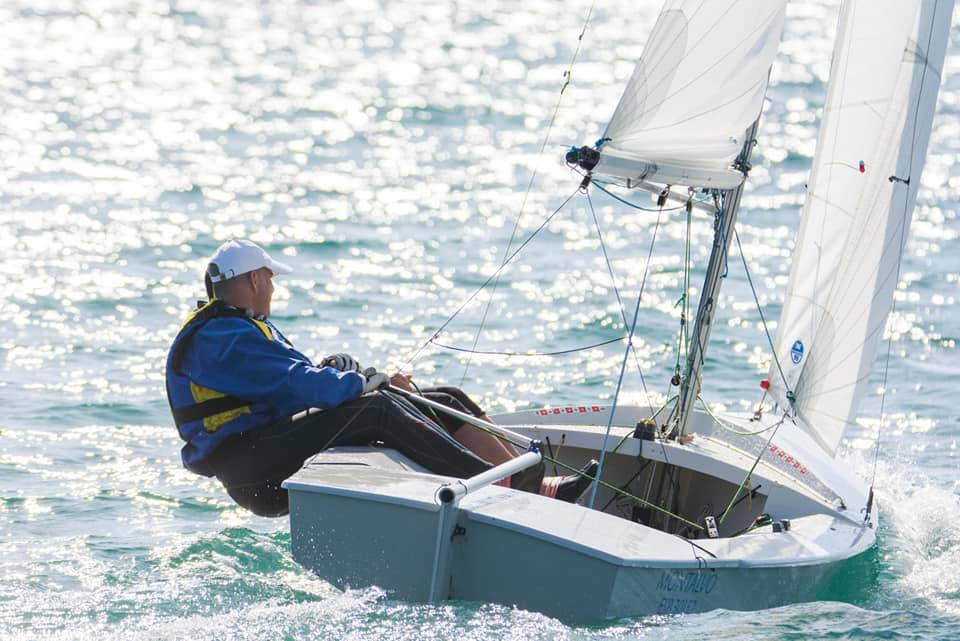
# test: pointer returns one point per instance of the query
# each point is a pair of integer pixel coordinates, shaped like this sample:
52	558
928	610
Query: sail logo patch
796	352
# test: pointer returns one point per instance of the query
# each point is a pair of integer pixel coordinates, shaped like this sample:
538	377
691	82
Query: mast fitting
584	157
585	183
662	196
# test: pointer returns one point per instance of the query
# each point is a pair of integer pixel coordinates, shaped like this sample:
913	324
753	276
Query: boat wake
919	541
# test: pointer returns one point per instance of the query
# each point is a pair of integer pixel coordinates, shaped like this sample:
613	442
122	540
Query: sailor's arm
235	358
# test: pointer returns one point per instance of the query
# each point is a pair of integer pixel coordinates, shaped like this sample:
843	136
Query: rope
727	426
630	434
683	335
652	506
616	290
683	349
568	76
613	407
707	306
633	478
749	475
470	298
623	364
549	459
718	227
595	479
756	299
433	412
556	353
626	202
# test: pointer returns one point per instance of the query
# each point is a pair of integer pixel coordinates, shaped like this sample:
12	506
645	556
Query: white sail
697	88
885	76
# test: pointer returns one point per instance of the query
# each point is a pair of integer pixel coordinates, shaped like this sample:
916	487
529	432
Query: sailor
252	408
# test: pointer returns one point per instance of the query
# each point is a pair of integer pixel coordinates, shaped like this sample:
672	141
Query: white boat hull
362	517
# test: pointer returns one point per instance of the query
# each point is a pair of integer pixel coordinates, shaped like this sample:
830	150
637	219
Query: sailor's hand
342	362
402	381
375	382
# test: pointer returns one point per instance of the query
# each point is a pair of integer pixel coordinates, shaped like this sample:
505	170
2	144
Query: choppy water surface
384	150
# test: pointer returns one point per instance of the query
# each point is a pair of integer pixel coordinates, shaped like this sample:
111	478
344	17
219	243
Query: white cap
236	257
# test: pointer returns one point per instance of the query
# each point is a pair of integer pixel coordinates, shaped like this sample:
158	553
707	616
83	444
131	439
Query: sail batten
697	88
870	153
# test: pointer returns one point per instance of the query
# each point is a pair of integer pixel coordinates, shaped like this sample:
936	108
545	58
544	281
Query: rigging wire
626	354
616	290
633	478
568	76
466	302
903	231
756	299
599	185
596	479
683	335
584	348
726	424
746	479
706	304
682	348
669	470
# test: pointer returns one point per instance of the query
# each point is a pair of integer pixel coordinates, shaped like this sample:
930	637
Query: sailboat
692	510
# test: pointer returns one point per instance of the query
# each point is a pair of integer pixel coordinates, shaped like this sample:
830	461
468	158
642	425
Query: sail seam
637	135
706	71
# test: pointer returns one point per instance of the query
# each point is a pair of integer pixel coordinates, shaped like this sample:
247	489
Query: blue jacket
227	374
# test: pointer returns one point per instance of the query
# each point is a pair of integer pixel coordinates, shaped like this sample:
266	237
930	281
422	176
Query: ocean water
385	151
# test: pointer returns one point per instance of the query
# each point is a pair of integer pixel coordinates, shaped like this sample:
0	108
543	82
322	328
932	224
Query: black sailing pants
252	466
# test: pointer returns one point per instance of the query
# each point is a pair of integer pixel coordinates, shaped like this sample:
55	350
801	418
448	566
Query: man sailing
252	408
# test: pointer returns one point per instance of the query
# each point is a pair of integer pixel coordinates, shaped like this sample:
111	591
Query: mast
716	272
697	89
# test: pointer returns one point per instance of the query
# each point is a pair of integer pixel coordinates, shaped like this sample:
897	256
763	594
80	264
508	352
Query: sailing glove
375	382
342	362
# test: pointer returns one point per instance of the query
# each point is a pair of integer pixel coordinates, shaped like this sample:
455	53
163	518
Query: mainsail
697	88
876	123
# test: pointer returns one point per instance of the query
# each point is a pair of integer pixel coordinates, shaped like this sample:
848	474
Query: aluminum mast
716	272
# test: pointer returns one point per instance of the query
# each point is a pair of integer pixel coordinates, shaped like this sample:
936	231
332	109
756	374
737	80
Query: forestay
698	86
885	75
